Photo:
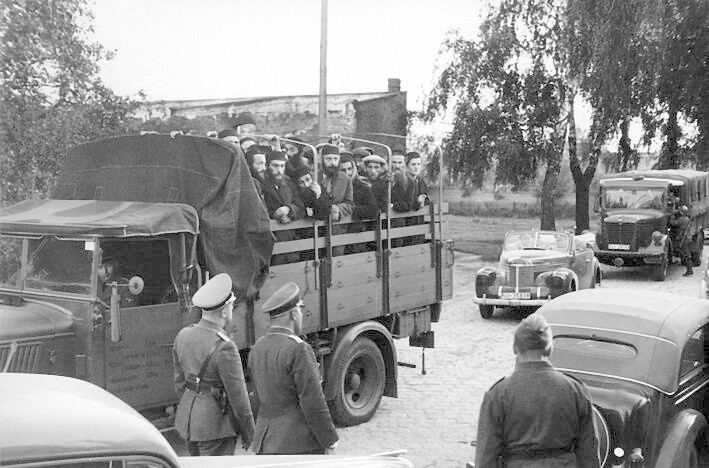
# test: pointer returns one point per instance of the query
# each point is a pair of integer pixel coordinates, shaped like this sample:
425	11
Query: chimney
394	85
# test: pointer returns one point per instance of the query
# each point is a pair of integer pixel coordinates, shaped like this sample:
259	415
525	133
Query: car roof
658	324
48	417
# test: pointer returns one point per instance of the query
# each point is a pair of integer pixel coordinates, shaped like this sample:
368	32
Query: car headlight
556	281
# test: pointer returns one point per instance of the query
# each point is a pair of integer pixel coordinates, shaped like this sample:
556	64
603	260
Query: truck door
138	367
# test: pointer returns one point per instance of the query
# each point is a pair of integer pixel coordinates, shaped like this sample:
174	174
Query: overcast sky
196	49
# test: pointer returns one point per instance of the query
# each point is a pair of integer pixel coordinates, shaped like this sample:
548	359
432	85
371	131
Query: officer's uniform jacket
293	416
536	411
199	417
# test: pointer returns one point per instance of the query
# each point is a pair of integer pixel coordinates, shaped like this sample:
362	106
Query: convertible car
535	267
643	356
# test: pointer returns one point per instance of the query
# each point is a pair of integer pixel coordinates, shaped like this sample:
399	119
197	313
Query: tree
509	94
51	97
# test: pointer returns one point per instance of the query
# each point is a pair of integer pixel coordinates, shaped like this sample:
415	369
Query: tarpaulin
98	218
208	174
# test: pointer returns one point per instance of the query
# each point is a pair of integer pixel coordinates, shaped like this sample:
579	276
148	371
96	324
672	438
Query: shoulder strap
203	369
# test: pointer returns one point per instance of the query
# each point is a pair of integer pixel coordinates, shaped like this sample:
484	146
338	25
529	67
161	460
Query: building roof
47	417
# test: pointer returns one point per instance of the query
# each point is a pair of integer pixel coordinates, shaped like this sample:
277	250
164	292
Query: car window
694	353
591	347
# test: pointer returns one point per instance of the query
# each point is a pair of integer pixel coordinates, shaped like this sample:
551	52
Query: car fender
683	431
381	336
485	272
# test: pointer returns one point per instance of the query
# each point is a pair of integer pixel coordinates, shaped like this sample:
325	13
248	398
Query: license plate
619	246
520	295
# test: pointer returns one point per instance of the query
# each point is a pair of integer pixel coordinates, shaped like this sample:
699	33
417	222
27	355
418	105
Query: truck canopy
208	174
98	218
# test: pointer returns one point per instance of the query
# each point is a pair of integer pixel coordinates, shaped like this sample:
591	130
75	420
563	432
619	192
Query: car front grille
526	275
25	358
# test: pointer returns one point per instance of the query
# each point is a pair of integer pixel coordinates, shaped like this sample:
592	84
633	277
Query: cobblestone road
435	416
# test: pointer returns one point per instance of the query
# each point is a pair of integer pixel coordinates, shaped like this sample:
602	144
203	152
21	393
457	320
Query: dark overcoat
293	416
536	410
199	417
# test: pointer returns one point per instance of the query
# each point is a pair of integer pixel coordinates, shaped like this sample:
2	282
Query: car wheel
486	311
361	376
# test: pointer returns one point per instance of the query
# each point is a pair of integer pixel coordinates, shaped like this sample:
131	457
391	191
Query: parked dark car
62	422
643	356
534	268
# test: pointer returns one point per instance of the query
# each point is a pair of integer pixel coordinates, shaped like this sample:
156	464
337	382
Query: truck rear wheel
361	376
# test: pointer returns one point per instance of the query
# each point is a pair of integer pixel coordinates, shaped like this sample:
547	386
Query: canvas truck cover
98	218
208	174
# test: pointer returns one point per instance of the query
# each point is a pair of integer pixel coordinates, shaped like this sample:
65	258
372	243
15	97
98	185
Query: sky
190	49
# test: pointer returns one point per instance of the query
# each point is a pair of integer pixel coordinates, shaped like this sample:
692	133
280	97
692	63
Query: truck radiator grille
24	359
620	233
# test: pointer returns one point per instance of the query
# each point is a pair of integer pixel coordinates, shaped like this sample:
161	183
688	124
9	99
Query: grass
483	235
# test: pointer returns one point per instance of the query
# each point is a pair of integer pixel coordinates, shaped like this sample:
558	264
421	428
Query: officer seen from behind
214	406
293	417
537	417
679	225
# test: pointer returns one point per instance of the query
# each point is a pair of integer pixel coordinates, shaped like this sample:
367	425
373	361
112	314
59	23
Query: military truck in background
175	210
635	210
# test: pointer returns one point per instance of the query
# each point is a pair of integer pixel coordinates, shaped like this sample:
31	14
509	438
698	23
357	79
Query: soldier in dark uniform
679	225
214	408
293	417
537	417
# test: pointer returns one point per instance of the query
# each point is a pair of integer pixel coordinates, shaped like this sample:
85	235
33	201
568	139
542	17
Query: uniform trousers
210	448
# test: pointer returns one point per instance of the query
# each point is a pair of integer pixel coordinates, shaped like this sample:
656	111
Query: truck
177	209
635	210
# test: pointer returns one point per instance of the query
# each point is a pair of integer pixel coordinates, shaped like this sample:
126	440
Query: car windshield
537	241
10	262
630	198
59	265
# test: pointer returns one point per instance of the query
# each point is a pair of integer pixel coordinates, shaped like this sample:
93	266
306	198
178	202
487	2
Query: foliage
508	92
51	97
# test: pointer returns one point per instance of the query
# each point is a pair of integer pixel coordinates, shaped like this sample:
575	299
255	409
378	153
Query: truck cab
635	210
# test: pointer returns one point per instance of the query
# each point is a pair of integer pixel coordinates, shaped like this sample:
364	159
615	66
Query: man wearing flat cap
214	408
293	416
375	167
537	417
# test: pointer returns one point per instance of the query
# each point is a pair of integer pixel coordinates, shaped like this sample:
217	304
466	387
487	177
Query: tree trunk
669	159
550	179
625	151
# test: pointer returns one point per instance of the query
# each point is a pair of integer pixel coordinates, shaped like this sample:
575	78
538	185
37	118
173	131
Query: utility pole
322	98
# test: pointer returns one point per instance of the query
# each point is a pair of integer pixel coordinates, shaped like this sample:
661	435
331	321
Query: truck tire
659	272
360	375
486	310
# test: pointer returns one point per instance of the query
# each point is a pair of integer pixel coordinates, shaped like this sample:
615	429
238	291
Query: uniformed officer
214	406
679	225
293	417
537	417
